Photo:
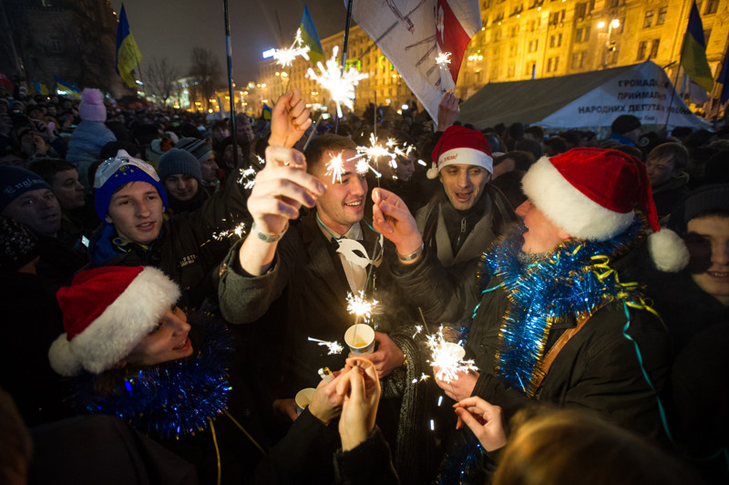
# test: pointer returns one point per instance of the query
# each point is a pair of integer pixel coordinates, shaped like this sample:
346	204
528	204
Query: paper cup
303	399
360	339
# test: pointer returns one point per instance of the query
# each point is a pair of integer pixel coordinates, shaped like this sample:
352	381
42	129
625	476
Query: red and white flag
413	33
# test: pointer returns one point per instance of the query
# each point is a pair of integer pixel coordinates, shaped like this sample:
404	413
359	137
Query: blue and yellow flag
127	53
693	53
310	37
39	87
267	112
68	88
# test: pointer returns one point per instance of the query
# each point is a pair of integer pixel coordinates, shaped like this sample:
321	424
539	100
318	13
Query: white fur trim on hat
571	210
668	251
115	333
464	156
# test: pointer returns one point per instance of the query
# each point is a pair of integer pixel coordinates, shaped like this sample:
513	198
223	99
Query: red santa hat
591	192
463	146
106	312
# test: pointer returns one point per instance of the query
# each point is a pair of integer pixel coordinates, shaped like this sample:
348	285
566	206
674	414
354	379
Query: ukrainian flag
69	88
267	112
127	53
693	53
39	87
311	37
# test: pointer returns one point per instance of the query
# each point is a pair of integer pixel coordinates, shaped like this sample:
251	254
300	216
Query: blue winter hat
118	171
15	181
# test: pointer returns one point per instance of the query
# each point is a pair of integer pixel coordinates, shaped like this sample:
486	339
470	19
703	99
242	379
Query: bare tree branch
160	79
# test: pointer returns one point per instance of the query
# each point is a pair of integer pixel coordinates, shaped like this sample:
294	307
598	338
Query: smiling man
131	201
558	309
463	219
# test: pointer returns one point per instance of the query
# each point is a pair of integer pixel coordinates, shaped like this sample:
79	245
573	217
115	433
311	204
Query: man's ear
108	219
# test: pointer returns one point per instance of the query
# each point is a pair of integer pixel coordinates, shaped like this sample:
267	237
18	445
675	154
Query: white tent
591	100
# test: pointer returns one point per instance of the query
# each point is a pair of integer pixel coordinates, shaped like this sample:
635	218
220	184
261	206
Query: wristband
268	238
412	256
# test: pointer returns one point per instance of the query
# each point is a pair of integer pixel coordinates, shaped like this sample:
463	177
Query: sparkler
447	357
443	59
390	149
334	347
358	306
286	57
339	82
247	177
236	231
335	168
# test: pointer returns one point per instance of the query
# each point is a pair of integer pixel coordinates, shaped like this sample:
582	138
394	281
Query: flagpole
233	130
344	49
673	94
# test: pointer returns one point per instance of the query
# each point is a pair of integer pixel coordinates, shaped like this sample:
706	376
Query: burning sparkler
334	347
340	83
443	59
447	358
247	177
358	306
335	168
286	57
236	231
390	149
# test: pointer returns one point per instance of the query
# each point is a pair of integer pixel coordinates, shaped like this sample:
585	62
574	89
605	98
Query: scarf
571	283
172	399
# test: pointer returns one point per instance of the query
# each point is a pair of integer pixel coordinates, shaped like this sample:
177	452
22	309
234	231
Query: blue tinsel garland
573	282
172	399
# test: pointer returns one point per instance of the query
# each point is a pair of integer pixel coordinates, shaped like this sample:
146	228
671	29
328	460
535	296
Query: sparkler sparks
286	57
339	83
335	168
418	329
236	231
247	177
443	59
357	305
334	347
423	377
390	149
447	358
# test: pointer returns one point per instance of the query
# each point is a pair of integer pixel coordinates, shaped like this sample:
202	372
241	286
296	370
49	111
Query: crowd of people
170	288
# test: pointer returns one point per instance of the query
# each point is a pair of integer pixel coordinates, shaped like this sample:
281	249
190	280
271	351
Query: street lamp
609	45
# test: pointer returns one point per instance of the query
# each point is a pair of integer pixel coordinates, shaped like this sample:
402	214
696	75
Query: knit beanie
590	193
463	146
200	149
16	181
107	311
118	171
704	200
92	106
18	245
625	123
178	161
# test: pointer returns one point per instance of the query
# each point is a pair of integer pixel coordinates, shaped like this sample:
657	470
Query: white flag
412	33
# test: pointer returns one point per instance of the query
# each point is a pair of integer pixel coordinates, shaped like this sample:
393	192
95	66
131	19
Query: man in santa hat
559	314
464	218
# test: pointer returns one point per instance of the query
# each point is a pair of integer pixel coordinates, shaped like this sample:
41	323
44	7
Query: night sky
169	29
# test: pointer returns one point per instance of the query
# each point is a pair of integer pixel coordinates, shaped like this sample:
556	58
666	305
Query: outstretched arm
280	190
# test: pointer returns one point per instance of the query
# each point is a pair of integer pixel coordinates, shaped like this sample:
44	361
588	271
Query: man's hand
281	189
448	111
360	389
485	421
285	408
326	404
388	356
459	388
392	219
289	120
